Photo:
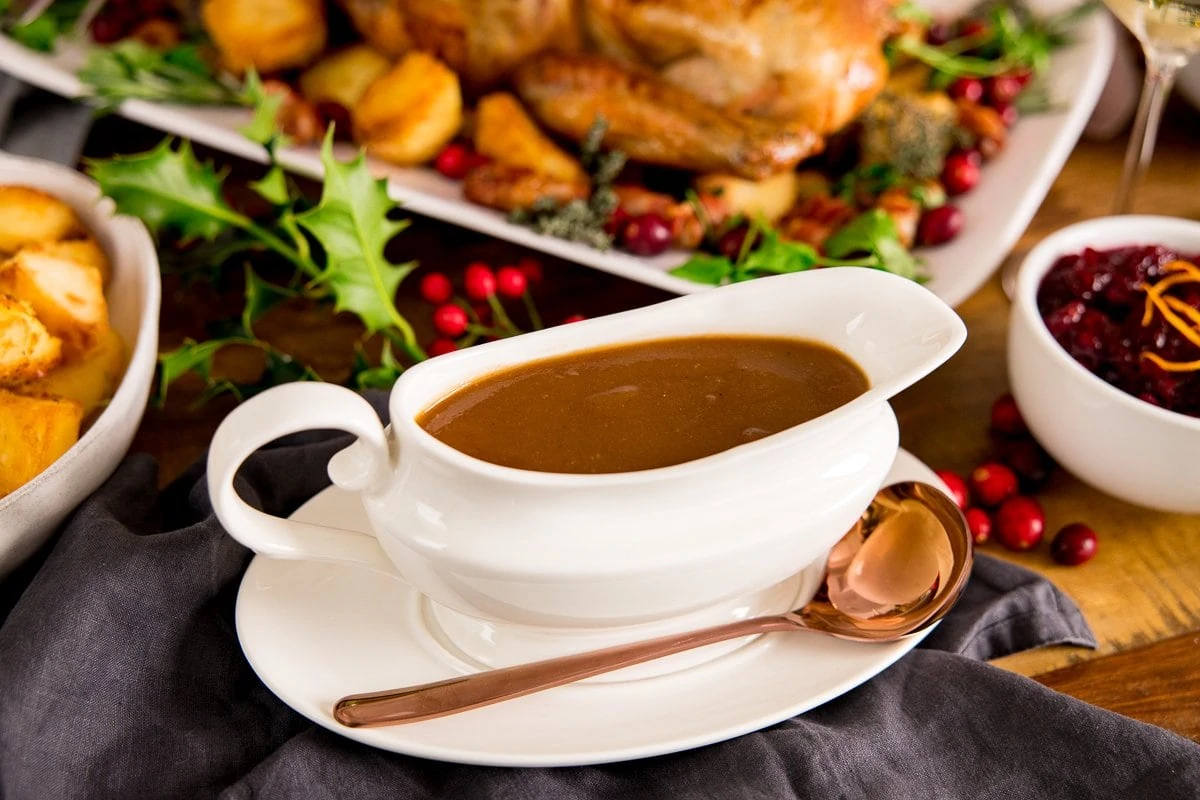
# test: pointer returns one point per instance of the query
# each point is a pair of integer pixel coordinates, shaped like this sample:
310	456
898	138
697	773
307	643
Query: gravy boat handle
278	412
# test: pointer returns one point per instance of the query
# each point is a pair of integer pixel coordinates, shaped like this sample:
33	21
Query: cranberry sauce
1092	303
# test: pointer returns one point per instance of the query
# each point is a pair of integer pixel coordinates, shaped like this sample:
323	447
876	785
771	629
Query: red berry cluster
995	497
479	313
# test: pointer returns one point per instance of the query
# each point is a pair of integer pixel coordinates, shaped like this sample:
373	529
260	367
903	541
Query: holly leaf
380	377
170	190
263	127
352	226
261	296
702	268
191	356
273	187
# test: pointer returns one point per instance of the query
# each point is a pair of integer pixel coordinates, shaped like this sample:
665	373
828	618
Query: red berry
617	221
453	161
1006	417
1008	113
957	487
1032	464
1003	88
511	282
939	33
574	318
961	173
979	523
732	241
479	281
939	225
531	268
966	89
450	320
440	346
1074	544
1022	76
992	484
647	235
436	288
1020	523
974	27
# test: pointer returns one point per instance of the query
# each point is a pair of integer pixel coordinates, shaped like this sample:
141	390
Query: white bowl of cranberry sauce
1115	401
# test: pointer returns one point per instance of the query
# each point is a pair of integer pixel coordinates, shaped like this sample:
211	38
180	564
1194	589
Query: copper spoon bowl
897	571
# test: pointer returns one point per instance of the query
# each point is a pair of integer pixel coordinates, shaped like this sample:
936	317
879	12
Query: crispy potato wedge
344	76
89	380
82	251
508	188
410	112
27	350
30	216
268	35
67	297
34	432
506	133
382	23
769	198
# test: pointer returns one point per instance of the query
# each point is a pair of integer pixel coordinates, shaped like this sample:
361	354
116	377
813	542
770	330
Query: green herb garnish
42	33
131	70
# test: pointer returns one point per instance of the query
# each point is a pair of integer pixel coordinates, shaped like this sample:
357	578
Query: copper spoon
897	571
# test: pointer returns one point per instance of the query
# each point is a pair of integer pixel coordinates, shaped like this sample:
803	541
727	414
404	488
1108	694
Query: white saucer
316	632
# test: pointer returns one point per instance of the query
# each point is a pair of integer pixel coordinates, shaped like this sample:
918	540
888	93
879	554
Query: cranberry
974	27
979	523
1006	417
453	161
450	320
992	484
1074	544
531	268
436	288
939	33
1061	320
970	89
511	282
479	281
617	221
1003	88
647	235
1032	465
574	318
961	173
1020	523
1008	113
1022	76
956	485
109	28
732	241
939	225
440	346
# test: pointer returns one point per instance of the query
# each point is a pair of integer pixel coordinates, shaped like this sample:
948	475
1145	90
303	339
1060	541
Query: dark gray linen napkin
121	677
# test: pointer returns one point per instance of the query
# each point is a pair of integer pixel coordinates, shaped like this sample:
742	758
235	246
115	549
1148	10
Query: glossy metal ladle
897	571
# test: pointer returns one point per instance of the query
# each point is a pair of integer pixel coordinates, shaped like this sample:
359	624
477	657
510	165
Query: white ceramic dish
315	632
30	514
1119	444
604	558
1013	186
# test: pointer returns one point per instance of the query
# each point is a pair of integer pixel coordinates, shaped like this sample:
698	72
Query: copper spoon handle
431	700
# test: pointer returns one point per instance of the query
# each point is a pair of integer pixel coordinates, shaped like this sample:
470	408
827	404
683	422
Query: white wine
1169	26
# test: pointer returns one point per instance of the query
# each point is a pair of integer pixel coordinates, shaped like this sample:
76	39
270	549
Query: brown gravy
644	405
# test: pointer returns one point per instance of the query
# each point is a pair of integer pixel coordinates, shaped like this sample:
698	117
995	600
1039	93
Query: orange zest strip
1181	272
1171	366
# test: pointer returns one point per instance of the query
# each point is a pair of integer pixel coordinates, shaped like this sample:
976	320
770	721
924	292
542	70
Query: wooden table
1141	594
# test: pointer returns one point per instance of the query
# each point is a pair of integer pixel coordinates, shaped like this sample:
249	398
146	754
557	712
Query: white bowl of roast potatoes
79	300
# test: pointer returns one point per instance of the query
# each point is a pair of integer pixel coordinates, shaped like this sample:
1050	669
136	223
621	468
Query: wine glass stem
1160	77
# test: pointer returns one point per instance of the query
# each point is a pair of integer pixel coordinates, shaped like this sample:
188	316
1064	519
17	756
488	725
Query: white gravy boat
594	552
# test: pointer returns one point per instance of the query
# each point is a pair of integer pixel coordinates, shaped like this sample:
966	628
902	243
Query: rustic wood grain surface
1141	594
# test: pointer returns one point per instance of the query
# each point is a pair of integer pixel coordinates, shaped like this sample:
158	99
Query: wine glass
1169	31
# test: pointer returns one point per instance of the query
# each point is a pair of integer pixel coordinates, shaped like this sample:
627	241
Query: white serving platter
997	212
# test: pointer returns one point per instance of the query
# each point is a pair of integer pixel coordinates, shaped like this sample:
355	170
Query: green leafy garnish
130	69
43	32
873	233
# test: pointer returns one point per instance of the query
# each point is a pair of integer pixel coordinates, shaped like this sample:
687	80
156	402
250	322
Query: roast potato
769	198
268	35
506	133
344	76
34	432
89	380
508	188
67	297
30	216
81	251
27	350
410	112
